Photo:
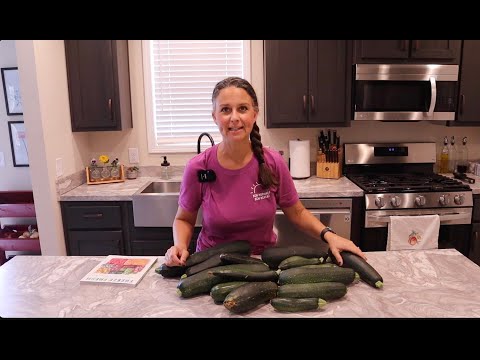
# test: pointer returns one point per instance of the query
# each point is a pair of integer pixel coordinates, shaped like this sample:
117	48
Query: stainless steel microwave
405	92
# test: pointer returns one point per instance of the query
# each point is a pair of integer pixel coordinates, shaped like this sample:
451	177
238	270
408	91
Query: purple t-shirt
235	206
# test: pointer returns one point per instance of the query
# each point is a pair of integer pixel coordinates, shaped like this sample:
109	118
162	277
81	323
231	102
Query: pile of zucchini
295	278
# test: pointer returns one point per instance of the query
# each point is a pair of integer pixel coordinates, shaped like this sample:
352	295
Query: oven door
455	228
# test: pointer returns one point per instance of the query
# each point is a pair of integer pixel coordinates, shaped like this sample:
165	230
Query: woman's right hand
176	256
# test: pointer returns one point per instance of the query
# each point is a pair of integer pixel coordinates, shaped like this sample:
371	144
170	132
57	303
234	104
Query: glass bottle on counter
165	165
462	157
452	156
444	157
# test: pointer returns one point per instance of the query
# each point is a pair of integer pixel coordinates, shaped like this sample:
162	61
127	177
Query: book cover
119	270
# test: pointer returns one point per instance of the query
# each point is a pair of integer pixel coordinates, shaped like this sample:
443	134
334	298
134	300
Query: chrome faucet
200	138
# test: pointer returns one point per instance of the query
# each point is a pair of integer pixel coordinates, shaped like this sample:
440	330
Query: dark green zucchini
296	261
239	246
366	271
301	275
211	262
275	255
246	275
323	290
296	305
170	271
220	291
235	258
249	296
202	282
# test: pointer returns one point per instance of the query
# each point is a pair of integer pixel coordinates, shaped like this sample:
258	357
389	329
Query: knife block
329	170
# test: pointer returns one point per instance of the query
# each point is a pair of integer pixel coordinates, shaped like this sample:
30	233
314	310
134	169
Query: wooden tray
120	178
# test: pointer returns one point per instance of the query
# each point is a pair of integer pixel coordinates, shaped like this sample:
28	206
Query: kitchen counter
475	187
418	284
312	187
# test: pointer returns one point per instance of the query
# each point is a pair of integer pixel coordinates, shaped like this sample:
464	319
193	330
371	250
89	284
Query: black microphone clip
206	175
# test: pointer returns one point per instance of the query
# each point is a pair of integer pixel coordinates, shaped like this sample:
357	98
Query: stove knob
380	202
444	200
459	199
420	200
396	201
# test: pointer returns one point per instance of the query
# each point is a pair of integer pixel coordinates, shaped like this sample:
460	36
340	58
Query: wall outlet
2	159
59	166
133	156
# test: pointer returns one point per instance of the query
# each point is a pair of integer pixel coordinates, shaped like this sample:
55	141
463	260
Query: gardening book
120	270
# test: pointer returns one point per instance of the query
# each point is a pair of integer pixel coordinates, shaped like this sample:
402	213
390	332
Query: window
179	79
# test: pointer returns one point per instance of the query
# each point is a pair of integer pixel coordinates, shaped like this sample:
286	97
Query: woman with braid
251	181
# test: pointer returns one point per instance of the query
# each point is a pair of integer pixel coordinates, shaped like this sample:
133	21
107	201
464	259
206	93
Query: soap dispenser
165	165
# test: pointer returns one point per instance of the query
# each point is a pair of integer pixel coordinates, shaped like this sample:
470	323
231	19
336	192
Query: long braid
266	177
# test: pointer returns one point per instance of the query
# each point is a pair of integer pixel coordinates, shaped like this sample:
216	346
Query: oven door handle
322	211
446	217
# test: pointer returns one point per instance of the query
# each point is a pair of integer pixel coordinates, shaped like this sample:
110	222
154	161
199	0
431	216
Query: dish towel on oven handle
413	232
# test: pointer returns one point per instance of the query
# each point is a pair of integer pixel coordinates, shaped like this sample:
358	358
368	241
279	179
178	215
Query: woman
239	184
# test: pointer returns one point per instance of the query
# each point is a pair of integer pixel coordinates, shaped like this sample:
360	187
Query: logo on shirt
259	195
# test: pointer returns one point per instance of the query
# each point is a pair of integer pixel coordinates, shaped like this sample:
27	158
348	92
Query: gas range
399	180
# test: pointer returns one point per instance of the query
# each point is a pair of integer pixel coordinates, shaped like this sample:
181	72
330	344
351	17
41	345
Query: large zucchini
220	291
366	271
275	255
202	282
211	262
301	275
296	261
295	305
323	290
170	271
249	296
246	275
239	246
235	258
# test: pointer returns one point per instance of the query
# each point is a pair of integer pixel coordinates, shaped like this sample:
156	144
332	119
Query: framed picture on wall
11	90
18	142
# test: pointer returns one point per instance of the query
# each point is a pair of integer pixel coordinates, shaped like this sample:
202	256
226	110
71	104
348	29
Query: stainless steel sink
157	187
155	204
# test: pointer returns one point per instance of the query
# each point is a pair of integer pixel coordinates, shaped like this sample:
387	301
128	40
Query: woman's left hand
338	244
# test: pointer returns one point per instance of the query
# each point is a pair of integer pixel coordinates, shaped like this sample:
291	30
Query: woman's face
234	114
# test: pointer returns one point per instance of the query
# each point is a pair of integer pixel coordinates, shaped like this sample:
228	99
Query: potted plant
132	172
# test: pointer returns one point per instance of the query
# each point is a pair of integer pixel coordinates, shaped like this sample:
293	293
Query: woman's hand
176	256
338	244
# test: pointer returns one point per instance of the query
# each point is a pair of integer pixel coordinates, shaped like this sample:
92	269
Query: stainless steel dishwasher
334	212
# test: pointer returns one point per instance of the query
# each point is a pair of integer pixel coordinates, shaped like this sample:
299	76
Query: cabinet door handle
312	105
304	103
93	216
110	108
462	103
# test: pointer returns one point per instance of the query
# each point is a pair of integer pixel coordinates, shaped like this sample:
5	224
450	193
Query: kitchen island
418	284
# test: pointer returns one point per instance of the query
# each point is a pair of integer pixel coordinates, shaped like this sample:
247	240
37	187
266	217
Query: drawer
94	217
95	243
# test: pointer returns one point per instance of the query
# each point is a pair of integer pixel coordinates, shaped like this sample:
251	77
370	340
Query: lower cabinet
474	254
156	241
96	228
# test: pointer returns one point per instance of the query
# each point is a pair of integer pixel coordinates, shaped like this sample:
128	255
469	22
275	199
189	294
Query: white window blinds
179	79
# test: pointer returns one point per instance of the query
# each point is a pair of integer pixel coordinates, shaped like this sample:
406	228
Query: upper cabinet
99	84
411	51
468	105
307	83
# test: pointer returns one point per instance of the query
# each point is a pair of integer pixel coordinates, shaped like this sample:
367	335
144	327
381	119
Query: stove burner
398	183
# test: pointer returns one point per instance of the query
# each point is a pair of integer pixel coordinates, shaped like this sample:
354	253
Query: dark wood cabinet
468	113
474	254
98	84
96	228
307	83
411	51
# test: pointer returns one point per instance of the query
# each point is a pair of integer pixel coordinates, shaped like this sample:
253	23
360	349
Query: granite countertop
308	188
475	187
418	284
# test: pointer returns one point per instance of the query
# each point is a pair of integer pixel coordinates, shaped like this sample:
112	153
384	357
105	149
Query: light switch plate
133	156
59	166
2	159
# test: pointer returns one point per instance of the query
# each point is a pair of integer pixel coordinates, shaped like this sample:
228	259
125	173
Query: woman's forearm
182	233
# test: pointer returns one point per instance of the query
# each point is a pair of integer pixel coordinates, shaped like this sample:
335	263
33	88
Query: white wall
11	178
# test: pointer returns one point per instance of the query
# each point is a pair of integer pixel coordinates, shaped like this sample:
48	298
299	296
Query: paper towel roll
299	158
